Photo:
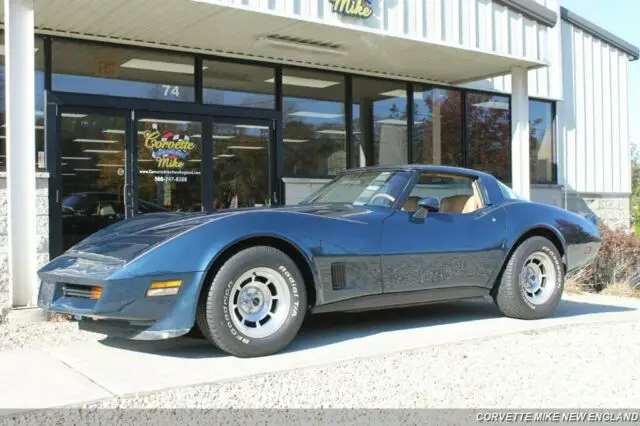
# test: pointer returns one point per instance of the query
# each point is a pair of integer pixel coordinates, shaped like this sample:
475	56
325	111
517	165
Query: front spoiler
129	330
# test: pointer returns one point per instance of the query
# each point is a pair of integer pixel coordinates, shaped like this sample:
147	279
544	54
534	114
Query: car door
459	246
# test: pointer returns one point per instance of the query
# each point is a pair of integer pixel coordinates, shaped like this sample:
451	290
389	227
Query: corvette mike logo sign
170	152
353	8
169	149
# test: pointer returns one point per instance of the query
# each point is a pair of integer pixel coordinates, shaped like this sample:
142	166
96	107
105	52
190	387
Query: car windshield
379	188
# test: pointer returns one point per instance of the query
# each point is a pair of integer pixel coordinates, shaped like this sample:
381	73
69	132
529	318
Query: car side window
457	194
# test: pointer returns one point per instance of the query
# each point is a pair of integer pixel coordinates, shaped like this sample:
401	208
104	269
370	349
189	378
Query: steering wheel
382	195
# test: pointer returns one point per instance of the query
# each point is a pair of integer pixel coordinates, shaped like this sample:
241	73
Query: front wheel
256	303
532	282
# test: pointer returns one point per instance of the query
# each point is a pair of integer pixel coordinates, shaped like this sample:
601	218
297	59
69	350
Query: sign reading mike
353	8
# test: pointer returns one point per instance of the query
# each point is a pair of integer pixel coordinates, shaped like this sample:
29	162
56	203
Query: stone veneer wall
42	223
613	209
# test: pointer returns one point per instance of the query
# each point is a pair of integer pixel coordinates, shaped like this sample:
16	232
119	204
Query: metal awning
242	33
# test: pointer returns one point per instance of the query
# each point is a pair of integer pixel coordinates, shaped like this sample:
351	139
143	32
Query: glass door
168	164
241	164
91	173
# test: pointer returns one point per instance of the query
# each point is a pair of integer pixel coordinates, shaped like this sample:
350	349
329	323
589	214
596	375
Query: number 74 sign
170	90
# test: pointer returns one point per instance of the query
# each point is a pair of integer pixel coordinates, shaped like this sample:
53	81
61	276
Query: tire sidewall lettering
294	310
227	316
556	264
295	303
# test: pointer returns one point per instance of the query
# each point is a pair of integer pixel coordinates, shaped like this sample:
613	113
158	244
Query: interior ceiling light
250	126
295	140
246	147
493	105
304	82
152	120
223	137
102	151
306	45
94	141
71	115
312	114
145	64
332	132
395	93
392	121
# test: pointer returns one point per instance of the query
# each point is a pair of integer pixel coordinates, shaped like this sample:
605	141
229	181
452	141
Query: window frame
476	185
348	83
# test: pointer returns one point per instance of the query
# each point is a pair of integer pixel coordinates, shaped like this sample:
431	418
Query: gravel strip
586	366
43	334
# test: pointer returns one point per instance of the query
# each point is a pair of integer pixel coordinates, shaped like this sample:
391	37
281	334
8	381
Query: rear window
508	193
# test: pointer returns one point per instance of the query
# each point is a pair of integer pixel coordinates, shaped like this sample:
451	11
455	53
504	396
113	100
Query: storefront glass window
39	100
379	116
169	159
542	157
314	123
437	134
228	83
119	71
489	134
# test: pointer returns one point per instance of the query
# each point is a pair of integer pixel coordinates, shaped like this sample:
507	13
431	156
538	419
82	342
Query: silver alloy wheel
259	302
538	278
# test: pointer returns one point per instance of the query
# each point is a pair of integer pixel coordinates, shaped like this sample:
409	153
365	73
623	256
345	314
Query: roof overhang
240	32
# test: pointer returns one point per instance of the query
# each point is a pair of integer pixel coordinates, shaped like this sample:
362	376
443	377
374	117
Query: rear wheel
533	280
256	303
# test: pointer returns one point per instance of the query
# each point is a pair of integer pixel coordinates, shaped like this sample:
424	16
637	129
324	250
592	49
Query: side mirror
425	206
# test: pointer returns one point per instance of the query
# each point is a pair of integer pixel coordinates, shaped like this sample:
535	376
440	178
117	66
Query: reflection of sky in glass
299	106
114	87
237	98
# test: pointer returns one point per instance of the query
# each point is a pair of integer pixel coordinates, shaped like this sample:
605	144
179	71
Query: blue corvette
372	238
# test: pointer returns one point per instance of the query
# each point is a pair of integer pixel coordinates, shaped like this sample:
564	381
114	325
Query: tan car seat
411	205
458	204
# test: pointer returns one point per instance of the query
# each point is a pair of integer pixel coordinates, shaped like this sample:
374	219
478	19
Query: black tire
214	316
510	296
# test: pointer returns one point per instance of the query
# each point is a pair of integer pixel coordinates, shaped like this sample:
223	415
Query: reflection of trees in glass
314	147
541	154
448	107
241	172
489	134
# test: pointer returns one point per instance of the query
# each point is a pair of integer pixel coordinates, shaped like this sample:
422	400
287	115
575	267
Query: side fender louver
338	275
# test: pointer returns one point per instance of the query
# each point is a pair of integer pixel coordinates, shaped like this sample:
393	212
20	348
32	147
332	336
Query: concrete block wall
612	209
42	235
5	291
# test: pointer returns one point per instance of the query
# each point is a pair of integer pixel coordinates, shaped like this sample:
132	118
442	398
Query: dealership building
113	109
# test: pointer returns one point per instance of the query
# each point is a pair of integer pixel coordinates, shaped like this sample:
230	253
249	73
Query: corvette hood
125	240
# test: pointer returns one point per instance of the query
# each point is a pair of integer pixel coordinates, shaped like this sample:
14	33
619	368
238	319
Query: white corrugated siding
593	119
514	34
463	23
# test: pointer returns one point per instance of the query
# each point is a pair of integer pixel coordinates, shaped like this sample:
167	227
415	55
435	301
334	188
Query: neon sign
353	8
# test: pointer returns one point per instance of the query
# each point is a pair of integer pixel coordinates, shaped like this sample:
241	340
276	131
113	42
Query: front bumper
123	309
